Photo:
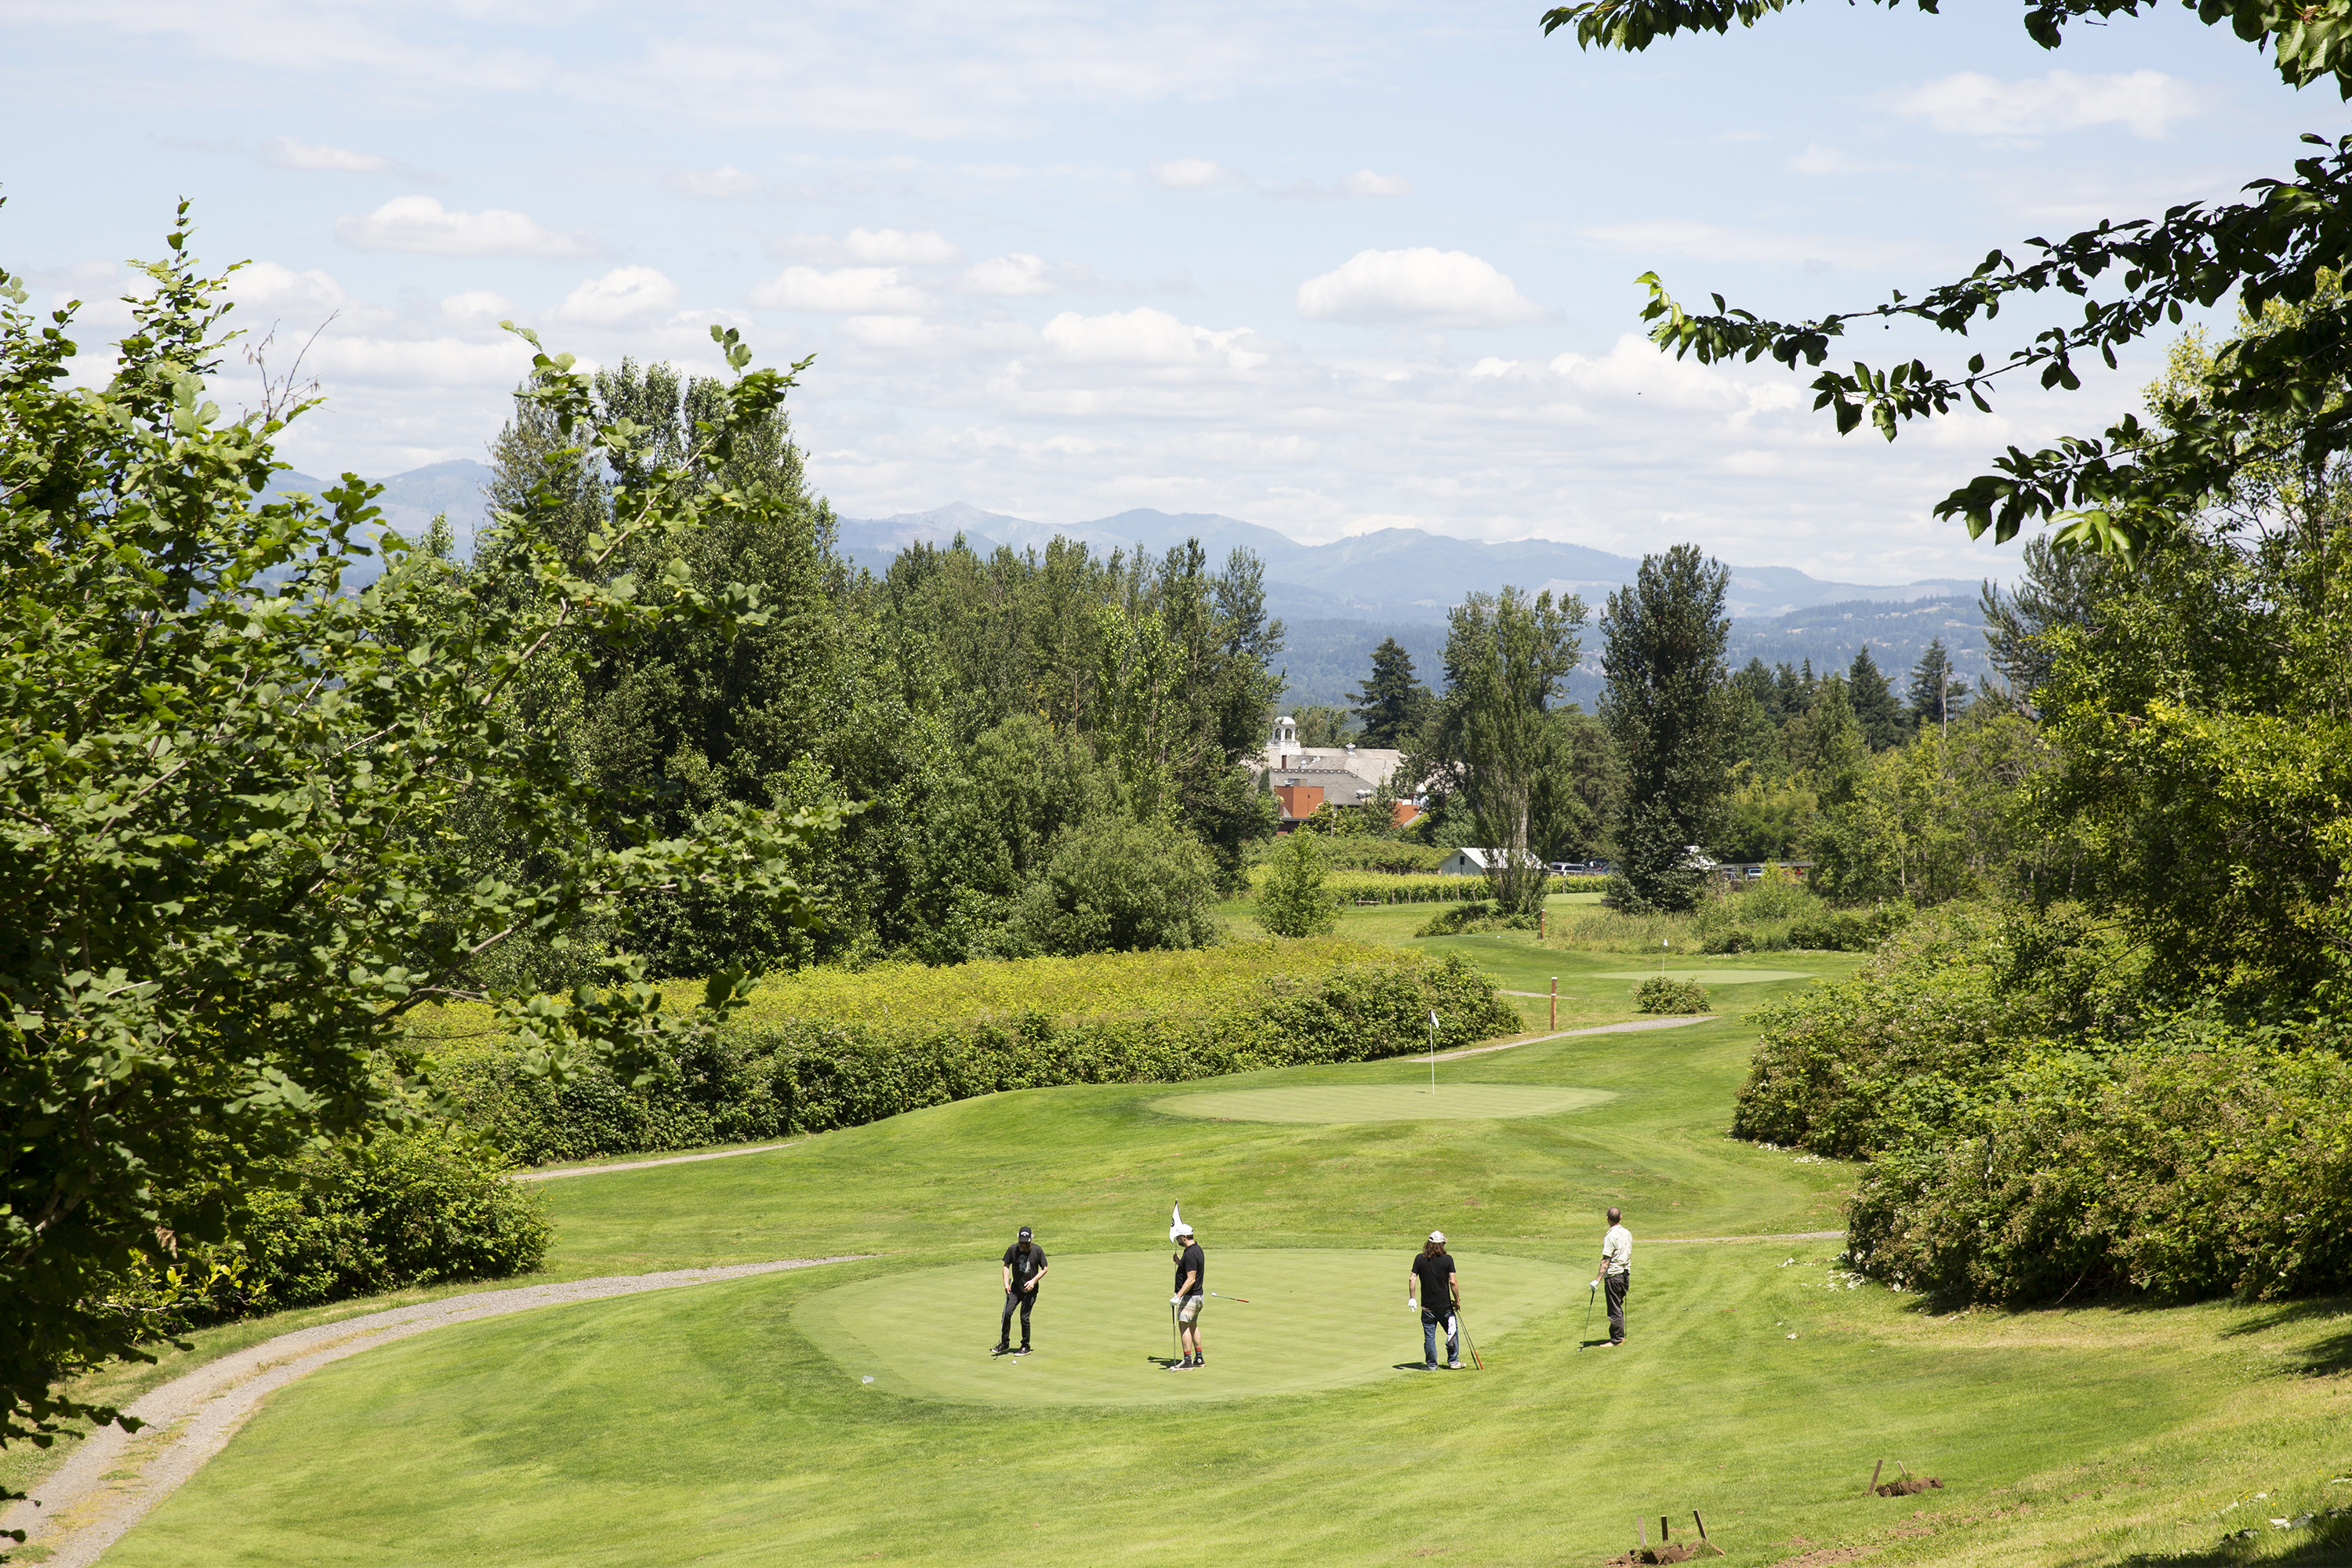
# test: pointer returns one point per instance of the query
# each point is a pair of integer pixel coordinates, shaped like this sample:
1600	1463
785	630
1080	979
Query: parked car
1562	868
1754	873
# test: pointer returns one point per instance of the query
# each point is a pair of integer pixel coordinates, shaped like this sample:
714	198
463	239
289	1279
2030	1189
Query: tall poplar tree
1505	658
1668	708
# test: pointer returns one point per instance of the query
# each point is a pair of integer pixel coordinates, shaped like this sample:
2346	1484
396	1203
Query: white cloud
1971	103
478	307
1421	286
873	247
1149	338
1193	175
263	287
623	294
897	247
1364	182
420	224
288	153
1018	274
847	291
721	181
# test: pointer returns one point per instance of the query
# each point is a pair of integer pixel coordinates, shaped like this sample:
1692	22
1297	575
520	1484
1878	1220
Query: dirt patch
1910	1486
1674	1551
1827	1555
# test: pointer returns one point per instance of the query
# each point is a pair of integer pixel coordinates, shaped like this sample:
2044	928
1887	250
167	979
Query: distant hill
1394	575
1339	600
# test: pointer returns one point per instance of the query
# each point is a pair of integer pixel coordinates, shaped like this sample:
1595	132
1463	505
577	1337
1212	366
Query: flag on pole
1175	1222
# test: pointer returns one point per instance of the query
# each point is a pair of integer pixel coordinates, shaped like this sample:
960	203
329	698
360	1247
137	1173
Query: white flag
1175	1222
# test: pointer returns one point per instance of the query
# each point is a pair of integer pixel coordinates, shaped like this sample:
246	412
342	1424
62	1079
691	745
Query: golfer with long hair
1024	1268
1435	1290
1616	1275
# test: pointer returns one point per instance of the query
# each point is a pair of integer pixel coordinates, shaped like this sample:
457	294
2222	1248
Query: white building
1478	862
1284	755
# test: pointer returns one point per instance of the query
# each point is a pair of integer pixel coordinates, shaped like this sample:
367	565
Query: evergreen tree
1876	707
1938	694
1391	705
1666	709
2056	592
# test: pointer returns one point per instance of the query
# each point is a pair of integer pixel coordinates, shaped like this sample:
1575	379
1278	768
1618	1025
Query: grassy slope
707	1425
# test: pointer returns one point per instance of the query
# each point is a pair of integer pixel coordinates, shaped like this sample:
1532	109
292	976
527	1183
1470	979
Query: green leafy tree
1292	901
2268	397
1320	725
1668	710
1391	704
1497	739
1116	885
225	786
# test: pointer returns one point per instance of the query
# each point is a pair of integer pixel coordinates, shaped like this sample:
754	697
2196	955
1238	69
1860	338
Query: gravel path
551	1173
1637	1025
115	1478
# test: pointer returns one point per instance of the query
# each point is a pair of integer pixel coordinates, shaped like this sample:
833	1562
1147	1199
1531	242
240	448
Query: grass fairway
1282	1323
1381	1102
729	1424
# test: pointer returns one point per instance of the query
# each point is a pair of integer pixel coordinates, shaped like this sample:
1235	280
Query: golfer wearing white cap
1433	1289
1191	1295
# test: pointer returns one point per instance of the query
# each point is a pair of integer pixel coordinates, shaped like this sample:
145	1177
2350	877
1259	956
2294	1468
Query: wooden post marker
1702	1526
1872	1489
1555	1001
1661	1529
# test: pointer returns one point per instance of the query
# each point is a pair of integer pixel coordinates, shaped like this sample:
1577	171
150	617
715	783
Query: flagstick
1432	1053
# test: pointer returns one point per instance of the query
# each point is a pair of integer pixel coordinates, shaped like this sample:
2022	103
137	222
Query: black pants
1613	1287
1024	1301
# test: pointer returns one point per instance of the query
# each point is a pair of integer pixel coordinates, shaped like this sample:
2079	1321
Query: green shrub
779	1078
2042	1130
1293	899
413	1209
2180	1169
1116	885
1664	994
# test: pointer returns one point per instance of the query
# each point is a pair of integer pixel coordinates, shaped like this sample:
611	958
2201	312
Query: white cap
1438	1237
1183	1227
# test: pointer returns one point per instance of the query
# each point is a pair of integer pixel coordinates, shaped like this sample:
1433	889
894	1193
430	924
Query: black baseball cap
1025	1233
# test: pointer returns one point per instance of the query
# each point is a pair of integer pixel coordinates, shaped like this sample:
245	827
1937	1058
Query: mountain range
1391	573
1342	598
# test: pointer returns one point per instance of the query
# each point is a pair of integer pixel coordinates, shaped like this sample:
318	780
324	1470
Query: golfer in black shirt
1191	1295
1433	1287
1024	1267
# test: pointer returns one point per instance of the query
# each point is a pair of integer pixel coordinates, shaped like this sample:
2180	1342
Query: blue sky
1325	266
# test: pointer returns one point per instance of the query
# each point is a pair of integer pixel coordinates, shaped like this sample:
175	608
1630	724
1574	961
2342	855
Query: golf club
1466	1340
1590	1297
1176	1338
1245	1301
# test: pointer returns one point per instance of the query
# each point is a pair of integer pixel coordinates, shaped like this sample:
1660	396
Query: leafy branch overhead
231	790
2119	492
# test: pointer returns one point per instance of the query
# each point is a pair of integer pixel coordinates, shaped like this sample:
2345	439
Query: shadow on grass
2324	1357
2323	1546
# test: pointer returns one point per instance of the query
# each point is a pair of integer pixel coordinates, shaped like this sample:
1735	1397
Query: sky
1324	266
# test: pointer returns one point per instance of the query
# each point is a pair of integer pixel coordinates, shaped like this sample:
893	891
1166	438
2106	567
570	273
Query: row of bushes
2037	1133
783	1078
425	1206
1776	914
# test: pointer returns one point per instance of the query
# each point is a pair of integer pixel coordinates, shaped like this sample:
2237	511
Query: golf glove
1594	1285
1175	1301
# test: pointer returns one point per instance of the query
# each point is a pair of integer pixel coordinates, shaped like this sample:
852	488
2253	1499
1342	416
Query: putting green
1706	976
1313	1320
1382	1102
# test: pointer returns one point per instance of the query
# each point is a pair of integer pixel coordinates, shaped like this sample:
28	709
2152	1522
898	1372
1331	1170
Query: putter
1175	1337
1590	1297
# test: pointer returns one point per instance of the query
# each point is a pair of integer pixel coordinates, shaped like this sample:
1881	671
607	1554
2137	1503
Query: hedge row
775	1080
2040	1130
